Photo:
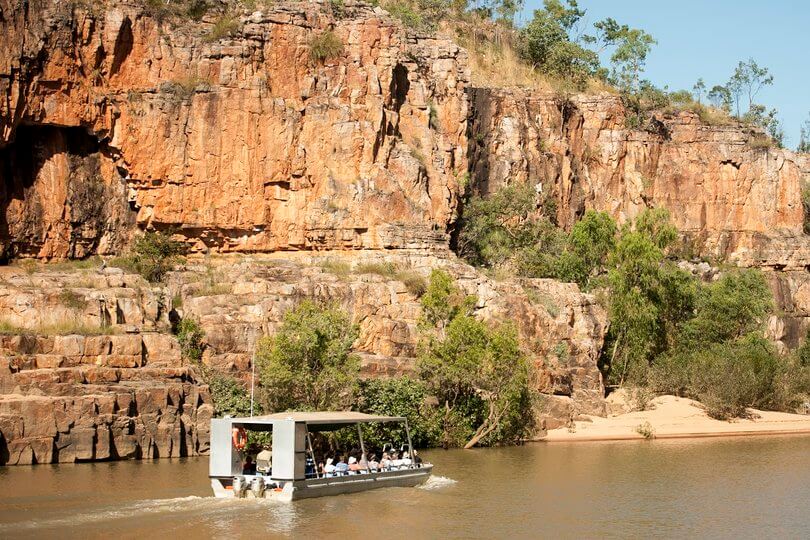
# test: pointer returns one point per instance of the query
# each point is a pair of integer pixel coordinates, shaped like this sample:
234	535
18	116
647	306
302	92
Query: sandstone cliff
735	200
113	121
120	392
242	143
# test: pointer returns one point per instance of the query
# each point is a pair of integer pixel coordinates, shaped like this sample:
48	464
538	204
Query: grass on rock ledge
415	283
64	328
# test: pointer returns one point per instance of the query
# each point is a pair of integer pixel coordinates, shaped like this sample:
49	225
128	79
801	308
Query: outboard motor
257	487
240	486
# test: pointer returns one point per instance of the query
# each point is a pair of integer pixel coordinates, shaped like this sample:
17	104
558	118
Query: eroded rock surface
237	299
734	201
242	143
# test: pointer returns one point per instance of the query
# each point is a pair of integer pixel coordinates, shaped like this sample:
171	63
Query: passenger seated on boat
396	461
385	464
342	468
363	464
373	464
264	460
249	467
416	459
406	459
329	469
354	468
309	468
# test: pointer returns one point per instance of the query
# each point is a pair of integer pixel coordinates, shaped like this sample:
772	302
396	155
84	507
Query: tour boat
291	476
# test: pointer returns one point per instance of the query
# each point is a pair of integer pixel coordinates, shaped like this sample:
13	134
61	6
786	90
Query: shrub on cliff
229	395
505	229
190	336
324	46
307	364
477	372
152	256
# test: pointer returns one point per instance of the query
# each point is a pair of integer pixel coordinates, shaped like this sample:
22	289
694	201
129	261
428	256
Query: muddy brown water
728	488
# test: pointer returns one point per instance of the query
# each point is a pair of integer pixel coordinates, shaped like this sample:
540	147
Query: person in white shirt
264	460
330	468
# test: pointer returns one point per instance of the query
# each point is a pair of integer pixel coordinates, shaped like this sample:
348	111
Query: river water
729	488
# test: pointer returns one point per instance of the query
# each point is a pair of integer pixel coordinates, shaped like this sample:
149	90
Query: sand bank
672	417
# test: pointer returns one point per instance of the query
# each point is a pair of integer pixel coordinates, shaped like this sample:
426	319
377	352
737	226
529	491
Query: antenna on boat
252	369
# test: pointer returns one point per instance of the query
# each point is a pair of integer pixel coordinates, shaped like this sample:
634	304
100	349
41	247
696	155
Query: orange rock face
735	201
247	143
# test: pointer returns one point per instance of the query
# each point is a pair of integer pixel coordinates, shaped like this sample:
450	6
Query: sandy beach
672	417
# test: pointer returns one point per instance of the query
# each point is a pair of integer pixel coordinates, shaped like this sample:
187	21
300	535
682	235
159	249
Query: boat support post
312	454
410	446
362	446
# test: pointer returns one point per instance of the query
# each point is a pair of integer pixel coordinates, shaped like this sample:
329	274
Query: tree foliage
307	364
554	42
154	254
478	374
400	396
190	336
506	229
649	296
228	394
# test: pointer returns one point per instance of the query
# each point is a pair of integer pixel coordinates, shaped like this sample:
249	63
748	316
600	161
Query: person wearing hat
354	467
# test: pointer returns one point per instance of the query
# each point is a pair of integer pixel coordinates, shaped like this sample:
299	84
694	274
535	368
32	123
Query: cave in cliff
61	195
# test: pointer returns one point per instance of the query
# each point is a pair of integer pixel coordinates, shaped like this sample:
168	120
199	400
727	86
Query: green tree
748	79
478	374
698	90
496	230
154	254
720	97
307	364
648	296
735	305
550	42
804	137
587	249
803	353
399	396
443	301
476	367
228	394
630	49
190	336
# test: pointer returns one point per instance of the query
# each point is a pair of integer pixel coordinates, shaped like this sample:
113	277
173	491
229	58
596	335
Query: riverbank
672	417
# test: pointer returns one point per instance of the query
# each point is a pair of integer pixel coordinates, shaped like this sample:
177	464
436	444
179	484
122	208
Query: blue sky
707	39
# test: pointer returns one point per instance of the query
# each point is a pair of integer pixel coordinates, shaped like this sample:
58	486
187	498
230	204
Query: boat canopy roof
321	420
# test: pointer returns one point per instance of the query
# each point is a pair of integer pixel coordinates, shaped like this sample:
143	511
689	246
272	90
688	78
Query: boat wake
179	505
437	482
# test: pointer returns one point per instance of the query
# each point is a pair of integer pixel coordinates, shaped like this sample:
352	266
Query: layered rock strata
733	198
132	389
562	329
248	142
76	398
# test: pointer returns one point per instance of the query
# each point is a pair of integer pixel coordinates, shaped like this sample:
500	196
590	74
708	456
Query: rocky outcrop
562	329
83	398
243	143
734	199
126	369
84	375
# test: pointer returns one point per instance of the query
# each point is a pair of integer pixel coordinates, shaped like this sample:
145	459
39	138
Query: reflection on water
728	488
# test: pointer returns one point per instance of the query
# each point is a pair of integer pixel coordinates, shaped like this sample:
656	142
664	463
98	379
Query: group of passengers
357	463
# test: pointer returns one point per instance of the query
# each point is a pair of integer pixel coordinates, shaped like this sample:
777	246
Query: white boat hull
321	487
